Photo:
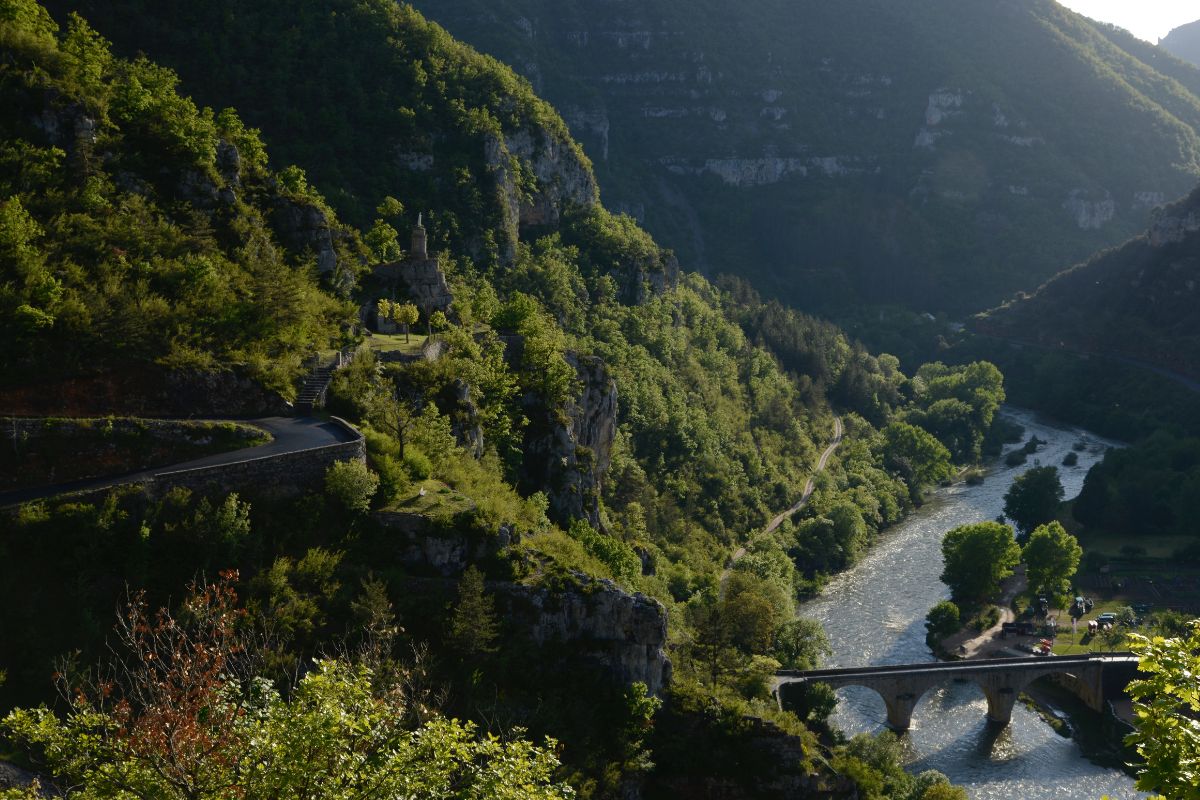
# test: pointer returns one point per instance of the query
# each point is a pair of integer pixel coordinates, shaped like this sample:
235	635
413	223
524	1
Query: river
875	614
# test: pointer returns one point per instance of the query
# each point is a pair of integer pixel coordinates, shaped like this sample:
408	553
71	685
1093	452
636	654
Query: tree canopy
1166	702
1051	557
977	558
1033	498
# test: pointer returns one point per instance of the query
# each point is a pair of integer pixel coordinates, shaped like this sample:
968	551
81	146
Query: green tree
185	717
351	484
385	309
1166	702
438	321
407	315
977	558
918	453
1051	558
384	242
473	623
1033	498
942	620
799	644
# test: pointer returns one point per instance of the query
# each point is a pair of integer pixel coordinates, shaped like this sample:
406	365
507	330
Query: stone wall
276	475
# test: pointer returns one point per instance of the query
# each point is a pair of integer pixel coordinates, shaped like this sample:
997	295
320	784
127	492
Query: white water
875	614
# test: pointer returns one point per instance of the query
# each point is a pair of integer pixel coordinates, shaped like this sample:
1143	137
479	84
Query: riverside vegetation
154	234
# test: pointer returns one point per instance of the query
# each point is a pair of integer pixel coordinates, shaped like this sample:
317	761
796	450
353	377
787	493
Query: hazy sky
1148	19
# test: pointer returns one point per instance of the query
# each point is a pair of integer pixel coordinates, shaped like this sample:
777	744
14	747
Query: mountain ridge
1184	42
863	153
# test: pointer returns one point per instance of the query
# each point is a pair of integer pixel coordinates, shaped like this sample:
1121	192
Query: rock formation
567	450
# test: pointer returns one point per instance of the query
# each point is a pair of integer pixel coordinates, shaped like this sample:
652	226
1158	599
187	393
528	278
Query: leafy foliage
1051	557
977	558
1033	498
1166	701
123	241
187	717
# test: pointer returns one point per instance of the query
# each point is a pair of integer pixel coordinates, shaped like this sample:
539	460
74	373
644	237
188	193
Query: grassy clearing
394	343
438	500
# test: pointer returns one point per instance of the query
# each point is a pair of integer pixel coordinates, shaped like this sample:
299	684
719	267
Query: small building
417	278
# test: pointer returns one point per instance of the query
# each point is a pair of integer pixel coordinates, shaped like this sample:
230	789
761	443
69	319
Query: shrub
394	479
351	484
418	464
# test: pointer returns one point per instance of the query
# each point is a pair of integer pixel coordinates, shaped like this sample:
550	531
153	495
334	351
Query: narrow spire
420	215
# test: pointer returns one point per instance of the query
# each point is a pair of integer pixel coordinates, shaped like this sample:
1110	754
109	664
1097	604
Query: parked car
1107	618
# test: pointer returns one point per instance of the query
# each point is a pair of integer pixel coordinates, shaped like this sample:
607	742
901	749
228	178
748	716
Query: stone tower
419	246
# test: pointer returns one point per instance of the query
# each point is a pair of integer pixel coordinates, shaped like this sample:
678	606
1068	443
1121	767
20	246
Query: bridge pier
900	707
1000	704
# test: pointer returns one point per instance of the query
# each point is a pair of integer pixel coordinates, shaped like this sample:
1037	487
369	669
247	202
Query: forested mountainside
553	484
1137	301
1184	42
936	153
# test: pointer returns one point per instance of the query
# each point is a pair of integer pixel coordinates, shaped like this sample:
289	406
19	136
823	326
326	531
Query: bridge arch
1001	681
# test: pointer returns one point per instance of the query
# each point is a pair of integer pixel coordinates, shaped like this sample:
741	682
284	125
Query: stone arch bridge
1001	679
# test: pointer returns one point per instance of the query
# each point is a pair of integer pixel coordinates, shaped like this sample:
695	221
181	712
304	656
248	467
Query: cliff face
567	450
457	136
624	634
1137	302
940	154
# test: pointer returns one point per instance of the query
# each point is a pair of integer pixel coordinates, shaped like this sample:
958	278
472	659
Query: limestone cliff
567	450
537	176
624	634
928	153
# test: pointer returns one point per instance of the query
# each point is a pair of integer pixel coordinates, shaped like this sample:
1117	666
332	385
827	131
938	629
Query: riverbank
875	615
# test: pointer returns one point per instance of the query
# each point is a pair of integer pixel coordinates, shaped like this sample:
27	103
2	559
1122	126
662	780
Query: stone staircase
316	383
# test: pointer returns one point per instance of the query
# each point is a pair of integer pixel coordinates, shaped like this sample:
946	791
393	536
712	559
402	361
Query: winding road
290	435
809	487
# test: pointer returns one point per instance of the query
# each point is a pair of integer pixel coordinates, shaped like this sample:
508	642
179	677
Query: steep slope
372	100
1137	301
939	153
1184	42
140	231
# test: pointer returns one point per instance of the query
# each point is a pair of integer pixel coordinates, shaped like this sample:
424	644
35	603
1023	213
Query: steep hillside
372	100
140	231
1184	42
1137	301
937	153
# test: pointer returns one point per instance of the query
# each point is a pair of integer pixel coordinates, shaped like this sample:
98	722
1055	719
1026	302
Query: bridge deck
959	667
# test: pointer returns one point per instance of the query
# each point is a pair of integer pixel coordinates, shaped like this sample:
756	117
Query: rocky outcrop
1174	224
622	633
567	451
426	547
421	280
303	227
562	179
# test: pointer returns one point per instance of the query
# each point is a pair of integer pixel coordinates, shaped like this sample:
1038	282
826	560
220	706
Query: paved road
809	488
291	434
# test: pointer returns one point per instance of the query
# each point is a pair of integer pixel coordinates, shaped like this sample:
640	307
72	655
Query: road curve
809	487
290	435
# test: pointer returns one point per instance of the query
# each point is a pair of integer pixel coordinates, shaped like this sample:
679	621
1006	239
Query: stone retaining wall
276	475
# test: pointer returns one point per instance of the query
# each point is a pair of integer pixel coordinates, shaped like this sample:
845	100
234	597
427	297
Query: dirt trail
810	486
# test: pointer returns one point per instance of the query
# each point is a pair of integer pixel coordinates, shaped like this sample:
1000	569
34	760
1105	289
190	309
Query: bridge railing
934	666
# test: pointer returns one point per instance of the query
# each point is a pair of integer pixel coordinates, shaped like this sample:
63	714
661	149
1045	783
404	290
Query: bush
1070	459
1016	458
418	464
351	484
394	479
